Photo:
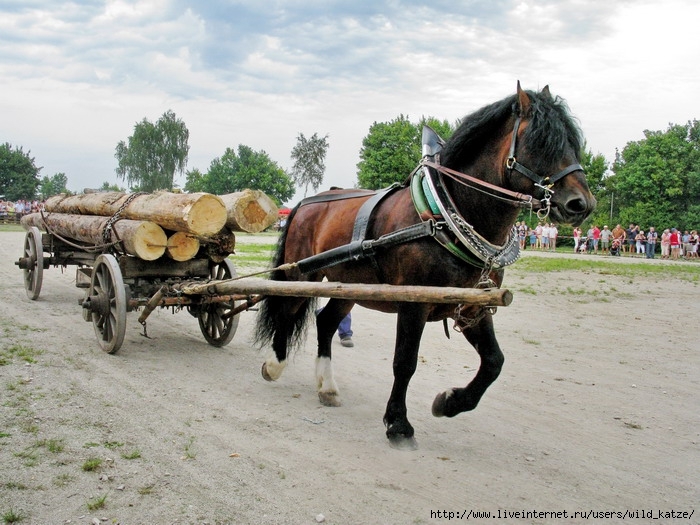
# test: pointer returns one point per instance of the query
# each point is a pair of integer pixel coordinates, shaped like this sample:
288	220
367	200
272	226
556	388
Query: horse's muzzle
574	210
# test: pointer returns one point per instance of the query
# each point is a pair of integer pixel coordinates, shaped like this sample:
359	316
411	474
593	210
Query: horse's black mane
551	131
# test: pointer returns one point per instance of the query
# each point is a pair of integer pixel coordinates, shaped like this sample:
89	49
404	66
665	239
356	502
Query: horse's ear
523	102
545	91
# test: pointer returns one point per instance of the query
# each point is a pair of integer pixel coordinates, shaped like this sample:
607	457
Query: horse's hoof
401	442
439	404
266	376
329	399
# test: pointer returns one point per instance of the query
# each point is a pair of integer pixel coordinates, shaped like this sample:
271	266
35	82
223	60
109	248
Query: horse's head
544	157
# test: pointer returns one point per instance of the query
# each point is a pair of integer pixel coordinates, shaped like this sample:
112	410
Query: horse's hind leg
456	400
285	329
327	322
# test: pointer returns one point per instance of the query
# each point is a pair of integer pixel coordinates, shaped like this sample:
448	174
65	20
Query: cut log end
182	246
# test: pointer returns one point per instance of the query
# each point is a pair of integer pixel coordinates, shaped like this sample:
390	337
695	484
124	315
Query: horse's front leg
456	400
410	322
327	322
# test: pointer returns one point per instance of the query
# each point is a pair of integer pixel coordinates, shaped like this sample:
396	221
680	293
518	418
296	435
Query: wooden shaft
352	291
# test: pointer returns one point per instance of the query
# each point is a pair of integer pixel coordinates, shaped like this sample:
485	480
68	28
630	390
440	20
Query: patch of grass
134	454
13	516
190	453
622	268
13	485
146	490
113	444
97	503
18	351
52	445
91	444
5	435
30	456
63	480
92	464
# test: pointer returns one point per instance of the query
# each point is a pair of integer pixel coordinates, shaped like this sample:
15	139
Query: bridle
545	183
542	205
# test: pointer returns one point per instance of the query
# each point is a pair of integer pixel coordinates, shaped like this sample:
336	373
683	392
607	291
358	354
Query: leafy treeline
652	182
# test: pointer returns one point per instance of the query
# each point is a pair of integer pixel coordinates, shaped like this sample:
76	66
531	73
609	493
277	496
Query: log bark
198	213
353	291
249	211
143	239
182	246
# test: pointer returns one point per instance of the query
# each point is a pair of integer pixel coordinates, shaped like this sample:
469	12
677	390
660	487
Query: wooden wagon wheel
217	327
106	302
33	263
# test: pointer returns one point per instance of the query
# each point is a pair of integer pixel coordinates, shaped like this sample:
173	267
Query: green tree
194	181
309	161
656	180
392	149
106	186
154	153
53	185
248	169
19	175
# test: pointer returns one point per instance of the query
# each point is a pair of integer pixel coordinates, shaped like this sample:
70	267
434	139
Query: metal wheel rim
215	329
34	250
107	285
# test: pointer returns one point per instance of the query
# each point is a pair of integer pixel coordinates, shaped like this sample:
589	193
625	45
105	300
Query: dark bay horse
454	217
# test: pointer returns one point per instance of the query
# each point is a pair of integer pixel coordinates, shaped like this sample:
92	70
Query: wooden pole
352	291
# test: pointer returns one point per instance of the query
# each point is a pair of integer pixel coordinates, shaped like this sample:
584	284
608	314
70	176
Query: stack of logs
149	225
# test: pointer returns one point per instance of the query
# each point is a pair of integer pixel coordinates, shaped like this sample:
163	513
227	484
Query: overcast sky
75	77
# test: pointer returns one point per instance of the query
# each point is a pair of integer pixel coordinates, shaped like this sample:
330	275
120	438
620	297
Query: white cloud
77	75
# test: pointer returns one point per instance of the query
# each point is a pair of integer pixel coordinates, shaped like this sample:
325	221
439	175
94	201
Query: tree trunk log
198	213
143	239
249	211
182	246
353	291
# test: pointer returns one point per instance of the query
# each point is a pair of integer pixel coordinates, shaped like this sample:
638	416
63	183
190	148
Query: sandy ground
597	410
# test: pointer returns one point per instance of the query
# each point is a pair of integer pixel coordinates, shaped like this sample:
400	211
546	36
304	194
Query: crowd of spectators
671	243
13	211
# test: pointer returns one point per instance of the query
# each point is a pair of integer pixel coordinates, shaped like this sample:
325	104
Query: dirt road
597	409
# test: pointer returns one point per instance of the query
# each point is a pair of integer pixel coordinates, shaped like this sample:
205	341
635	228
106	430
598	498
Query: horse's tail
279	313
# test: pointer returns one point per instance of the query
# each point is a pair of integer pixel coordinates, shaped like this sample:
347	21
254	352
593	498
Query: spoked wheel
106	302
33	263
217	326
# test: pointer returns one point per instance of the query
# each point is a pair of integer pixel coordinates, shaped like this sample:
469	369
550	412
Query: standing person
538	234
651	242
344	330
639	240
533	239
577	238
545	236
694	242
685	241
523	234
665	243
596	239
619	234
675	242
631	236
553	232
605	235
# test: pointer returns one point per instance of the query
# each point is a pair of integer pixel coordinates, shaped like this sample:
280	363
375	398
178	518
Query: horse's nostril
576	205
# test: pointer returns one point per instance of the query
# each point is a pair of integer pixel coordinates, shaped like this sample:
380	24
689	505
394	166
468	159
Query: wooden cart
209	290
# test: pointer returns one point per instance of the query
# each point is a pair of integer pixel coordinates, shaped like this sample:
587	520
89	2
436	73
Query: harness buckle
510	162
